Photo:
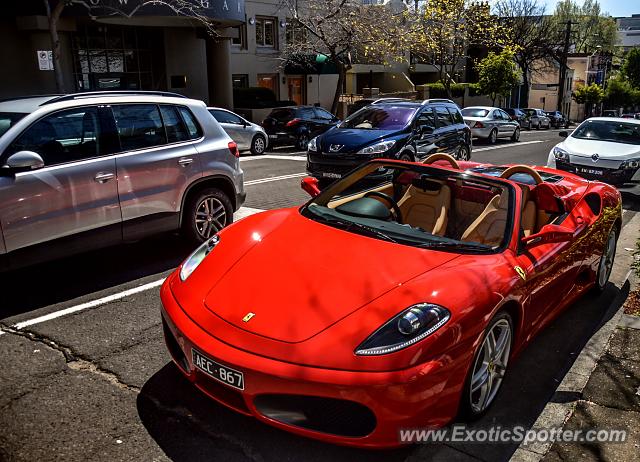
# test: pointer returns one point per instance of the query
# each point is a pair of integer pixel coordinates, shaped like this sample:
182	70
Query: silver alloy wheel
606	261
493	136
490	366
303	142
211	217
462	153
258	145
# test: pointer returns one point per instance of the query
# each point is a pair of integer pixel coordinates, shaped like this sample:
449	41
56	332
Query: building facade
629	31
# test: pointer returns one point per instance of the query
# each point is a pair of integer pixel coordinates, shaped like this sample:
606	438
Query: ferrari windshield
380	118
419	206
607	130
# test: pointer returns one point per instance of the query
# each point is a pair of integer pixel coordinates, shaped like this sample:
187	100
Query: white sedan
601	148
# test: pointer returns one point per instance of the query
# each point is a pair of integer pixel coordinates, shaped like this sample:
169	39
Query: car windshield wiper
348	225
447	244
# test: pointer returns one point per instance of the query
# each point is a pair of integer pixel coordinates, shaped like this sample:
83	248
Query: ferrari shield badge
521	273
248	317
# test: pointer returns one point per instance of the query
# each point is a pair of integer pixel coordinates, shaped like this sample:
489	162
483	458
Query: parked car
538	118
601	148
557	119
407	307
491	123
519	116
248	136
628	116
394	130
297	125
88	170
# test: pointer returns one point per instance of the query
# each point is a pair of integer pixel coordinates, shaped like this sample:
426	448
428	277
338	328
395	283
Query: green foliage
498	74
474	89
619	92
588	94
594	29
631	67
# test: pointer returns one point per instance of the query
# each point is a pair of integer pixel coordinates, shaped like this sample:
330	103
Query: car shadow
61	280
189	426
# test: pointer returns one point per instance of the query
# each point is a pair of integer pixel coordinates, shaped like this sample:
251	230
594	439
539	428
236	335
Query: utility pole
563	64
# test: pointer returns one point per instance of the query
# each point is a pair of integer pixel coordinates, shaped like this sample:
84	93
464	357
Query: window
240	80
306	113
457	116
241	40
139	126
426	119
269	81
322	114
225	117
474	112
8	120
295	33
443	116
173	124
65	136
266	32
378	118
190	121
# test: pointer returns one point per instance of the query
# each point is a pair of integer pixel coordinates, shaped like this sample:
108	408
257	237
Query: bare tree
55	8
340	30
532	35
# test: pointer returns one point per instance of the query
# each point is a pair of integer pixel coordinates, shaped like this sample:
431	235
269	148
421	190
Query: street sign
45	60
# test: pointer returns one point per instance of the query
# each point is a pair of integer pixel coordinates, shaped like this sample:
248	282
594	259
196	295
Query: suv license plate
221	373
331	175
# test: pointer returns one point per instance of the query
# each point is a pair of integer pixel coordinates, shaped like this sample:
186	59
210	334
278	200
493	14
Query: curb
558	409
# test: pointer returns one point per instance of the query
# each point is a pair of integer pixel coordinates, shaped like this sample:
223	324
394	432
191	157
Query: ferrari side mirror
549	234
310	186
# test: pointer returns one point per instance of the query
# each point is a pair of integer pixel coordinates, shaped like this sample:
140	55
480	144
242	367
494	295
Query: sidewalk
602	389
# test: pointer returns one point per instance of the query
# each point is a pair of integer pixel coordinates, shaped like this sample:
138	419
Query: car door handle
103	177
184	161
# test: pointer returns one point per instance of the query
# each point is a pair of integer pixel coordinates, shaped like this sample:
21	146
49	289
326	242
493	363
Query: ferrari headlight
378	148
631	163
313	144
412	325
197	257
560	154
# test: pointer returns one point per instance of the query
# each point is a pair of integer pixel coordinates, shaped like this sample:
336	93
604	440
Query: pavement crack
74	361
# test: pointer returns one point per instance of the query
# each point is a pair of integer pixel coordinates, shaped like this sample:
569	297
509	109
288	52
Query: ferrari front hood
304	276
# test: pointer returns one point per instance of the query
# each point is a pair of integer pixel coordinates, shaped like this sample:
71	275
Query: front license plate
221	373
273	136
591	171
331	175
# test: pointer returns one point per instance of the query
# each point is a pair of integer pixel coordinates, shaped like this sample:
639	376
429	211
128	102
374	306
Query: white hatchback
601	148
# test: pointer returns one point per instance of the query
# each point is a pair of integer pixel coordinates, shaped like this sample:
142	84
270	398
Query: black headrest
426	184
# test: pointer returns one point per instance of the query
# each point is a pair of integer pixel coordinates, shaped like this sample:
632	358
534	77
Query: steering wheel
442	156
508	173
390	200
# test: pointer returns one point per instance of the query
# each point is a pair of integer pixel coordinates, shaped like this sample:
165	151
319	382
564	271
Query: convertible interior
454	207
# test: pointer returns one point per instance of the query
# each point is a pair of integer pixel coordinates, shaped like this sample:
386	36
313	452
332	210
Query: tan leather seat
490	225
529	216
427	208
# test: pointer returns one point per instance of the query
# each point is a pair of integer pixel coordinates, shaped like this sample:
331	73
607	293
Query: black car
394	130
558	120
296	125
519	116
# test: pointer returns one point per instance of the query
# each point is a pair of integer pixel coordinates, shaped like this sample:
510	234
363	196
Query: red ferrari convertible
394	298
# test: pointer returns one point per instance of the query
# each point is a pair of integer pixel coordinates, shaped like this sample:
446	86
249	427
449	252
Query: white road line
510	145
241	213
299	157
274	178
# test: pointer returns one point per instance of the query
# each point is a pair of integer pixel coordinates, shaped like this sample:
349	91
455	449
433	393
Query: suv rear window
190	121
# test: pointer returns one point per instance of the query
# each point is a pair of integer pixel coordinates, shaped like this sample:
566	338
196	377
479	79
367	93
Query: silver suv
89	170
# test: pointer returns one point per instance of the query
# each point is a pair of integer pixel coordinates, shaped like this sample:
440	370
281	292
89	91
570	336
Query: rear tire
606	261
516	135
258	145
303	141
206	212
493	137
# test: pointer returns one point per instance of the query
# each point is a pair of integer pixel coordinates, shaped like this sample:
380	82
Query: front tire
258	145
463	153
493	136
406	157
488	367
516	135
606	261
205	214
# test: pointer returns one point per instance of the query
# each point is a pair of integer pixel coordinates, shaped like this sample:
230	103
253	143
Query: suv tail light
293	122
478	125
233	148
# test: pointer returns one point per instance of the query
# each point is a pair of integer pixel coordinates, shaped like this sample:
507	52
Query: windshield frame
443	173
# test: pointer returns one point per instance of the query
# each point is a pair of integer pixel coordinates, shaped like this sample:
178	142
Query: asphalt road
88	377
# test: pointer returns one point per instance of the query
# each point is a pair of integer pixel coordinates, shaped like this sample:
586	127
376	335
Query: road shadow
189	426
57	281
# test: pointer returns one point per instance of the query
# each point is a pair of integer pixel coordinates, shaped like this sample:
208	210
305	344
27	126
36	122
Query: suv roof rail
16	98
438	100
392	100
94	94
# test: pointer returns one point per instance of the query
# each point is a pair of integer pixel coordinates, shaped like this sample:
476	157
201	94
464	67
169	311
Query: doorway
296	90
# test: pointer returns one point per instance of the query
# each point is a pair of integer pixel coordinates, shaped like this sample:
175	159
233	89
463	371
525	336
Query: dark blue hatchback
394	130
